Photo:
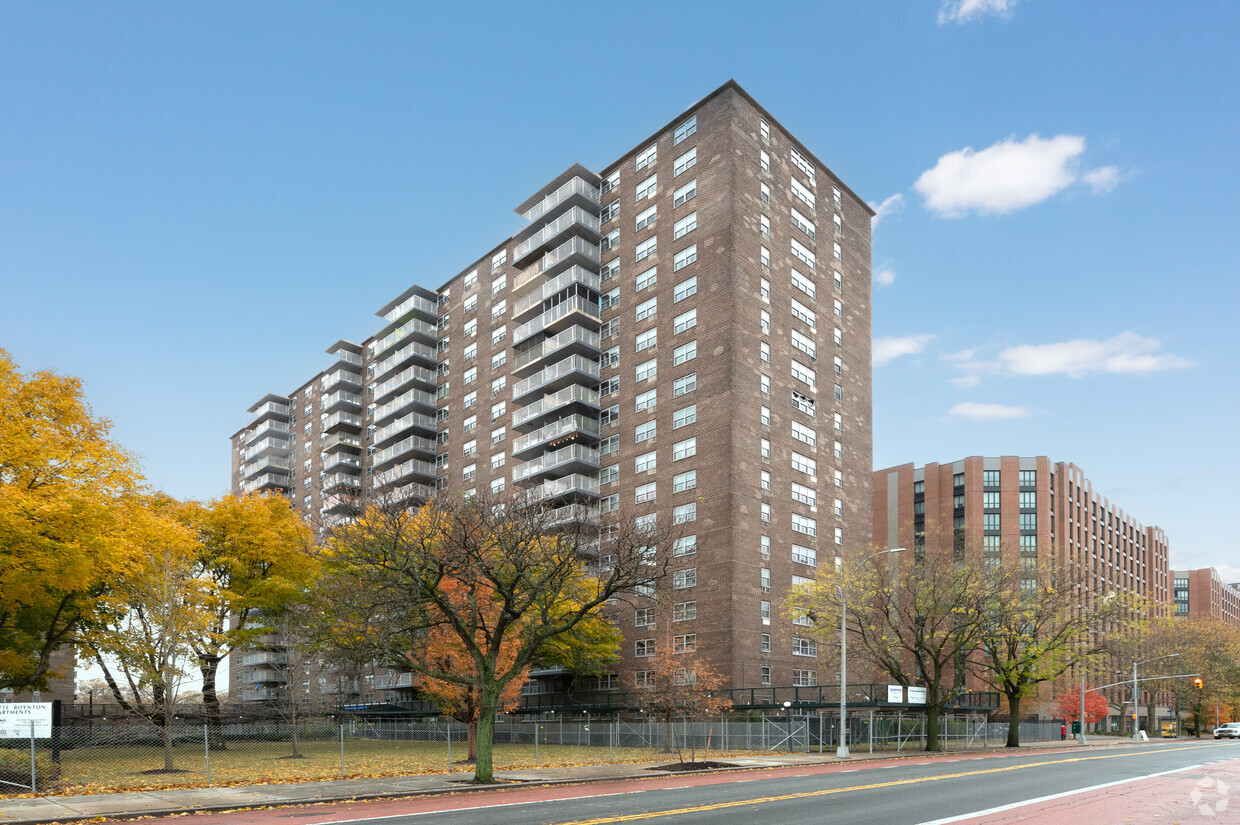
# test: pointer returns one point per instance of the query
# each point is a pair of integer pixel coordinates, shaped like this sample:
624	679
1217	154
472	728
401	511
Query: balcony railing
414	326
413	349
342	419
576	454
337	460
270	462
564	486
270	444
576	186
272	408
549	346
331	482
575	274
414	466
268	427
341	397
414	373
417	302
268	480
341	441
405	445
588	250
265	657
573	217
347	356
561	310
341	375
410	396
586	367
569	395
554	430
405	422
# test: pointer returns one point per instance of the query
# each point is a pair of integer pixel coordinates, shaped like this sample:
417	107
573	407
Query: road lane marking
1001	808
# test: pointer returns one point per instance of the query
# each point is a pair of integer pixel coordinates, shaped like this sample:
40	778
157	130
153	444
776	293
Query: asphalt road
1120	785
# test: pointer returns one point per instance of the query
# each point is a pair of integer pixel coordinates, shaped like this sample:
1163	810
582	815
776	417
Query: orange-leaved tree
1068	705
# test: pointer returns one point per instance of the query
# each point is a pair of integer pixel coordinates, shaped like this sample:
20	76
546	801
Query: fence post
611	740
206	750
724	718
448	725
535	741
342	747
33	778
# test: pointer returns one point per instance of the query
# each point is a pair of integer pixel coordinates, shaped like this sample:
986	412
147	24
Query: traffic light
1197	683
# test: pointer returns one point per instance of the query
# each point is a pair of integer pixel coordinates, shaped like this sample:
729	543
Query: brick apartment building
685	332
1024	511
1203	594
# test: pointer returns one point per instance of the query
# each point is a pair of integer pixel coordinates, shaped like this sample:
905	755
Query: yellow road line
808	794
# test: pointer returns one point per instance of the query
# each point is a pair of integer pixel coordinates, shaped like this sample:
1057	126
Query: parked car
1231	730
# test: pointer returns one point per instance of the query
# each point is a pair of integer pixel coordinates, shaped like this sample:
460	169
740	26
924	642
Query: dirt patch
681	767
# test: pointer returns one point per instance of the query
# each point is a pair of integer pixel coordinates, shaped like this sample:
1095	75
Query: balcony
265	657
404	470
575	369
406	492
575	428
574	311
413	443
570	341
271	444
341	441
573	252
414	303
344	355
269	481
409	398
271	409
268	427
532	303
575	219
343	377
396	680
340	483
398	381
342	421
400	358
573	459
412	327
342	462
401	425
577	188
342	399
569	485
532	415
268	462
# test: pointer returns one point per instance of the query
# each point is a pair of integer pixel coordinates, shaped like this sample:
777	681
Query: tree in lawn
1068	706
62	481
913	619
1039	624
254	553
1206	646
156	607
679	685
501	577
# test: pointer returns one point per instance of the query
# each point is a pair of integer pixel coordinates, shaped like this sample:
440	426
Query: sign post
21	719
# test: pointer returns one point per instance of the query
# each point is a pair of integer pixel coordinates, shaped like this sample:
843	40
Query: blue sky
197	198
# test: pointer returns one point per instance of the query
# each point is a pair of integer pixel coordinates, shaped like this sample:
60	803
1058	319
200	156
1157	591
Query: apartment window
609	387
839	308
498	460
764	225
609	358
470	399
684	513
609	504
684	321
684	611
609	299
764	415
499	359
684	417
804	464
609	240
499	434
609	328
803	373
838	223
471	279
839	507
765	513
647	340
610	415
764	384
647	217
766	322
684	226
470	423
686	161
643	617
764	449
683	449
644	463
839	536
647	278
498	385
647	309
648	156
684	481
839	365
764	192
836	195
610	269
803	254
764	257
804	678
681	386
764	352
684	644
684	353
805	555
682	579
802	283
645	492
1028	500
765	546
684	546
1028	478
803	494
469	472
685	289
800	191
610	211
764	160
499	308
643	648
839	478
471	303
499	334
764	607
839	393
764	578
804	224
609	445
606	475
648	188
684	194
804	647
471	327
684	130
643	432
764	481
764	129
470	447
803	313
647	369
802	163
645	400
470	376
804	344
838	450
804	524
684	257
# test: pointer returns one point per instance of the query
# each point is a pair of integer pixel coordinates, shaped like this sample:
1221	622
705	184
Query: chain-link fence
137	755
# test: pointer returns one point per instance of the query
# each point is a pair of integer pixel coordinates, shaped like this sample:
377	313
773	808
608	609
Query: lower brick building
1202	594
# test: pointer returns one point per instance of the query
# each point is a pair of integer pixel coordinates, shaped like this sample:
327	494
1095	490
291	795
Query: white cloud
888	349
885	276
987	412
965	11
1125	353
889	206
1230	574
965	382
1103	179
1006	176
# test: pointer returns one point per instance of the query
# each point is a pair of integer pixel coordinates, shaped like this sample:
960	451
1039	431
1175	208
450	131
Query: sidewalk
183	800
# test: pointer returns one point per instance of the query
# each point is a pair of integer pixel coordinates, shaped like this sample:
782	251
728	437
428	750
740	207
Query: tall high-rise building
685	332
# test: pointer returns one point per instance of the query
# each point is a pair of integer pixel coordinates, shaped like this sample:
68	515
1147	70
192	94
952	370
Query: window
764	225
839	308
804	647
839	478
684	130
685	546
764	384
647	339
764	416
764	481
838	450
470	376
609	358
471	279
684	644
764	192
609	240
471	327
684	611
804	464
684	257
839	393
764	290
498	334
609	387
766	513
804	524
645	400
684	194
803	254
609	504
645	492
766	322
804	344
804	555
684	353
610	415
648	188
804	678
682	579
684	417
764	607
990	500
803	403
684	226
470	423
838	224
471	303
643	617
764	129
648	156
647	217
643	432
609	328
609	299
764	257
498	385
764	578
800	191
498	434
802	283
643	648
498	460
644	462
470	399
647	278
803	313
647	309
499	359
470	447
765	546
835	194
606	475
684	321
686	161
609	445
683	449
803	373
647	369
800	162
681	386
684	481
839	365
469	472
610	269
765	449
684	513
497	260
609	212
805	495
764	352
499	308
764	160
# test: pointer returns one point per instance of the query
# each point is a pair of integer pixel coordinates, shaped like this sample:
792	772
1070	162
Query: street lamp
841	752
788	717
1136	733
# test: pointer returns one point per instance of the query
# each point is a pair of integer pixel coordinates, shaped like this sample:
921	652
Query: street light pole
841	752
1136	732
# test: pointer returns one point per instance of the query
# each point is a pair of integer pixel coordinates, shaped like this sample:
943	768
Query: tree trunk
1151	716
932	727
209	667
667	735
167	732
473	741
488	702
1013	737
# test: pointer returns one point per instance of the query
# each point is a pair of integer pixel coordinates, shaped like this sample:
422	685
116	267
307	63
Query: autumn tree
500	578
254	556
1068	706
679	684
62	481
915	619
1205	646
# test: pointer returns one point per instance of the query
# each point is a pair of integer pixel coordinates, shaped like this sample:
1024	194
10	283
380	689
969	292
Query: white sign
916	695
15	719
895	694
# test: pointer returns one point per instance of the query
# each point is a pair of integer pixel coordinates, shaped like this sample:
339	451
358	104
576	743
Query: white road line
1002	808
